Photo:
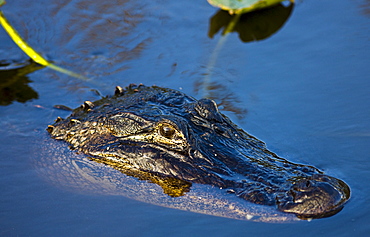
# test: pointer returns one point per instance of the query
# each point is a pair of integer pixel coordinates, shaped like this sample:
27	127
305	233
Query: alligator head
173	140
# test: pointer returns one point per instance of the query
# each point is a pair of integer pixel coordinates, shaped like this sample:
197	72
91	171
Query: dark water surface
304	90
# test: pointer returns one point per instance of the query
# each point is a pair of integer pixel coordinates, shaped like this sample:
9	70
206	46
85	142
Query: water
304	91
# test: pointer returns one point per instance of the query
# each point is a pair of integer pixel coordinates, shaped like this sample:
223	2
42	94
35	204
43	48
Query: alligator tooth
118	91
58	119
50	128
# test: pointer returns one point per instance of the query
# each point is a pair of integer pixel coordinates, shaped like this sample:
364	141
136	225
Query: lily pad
243	6
253	26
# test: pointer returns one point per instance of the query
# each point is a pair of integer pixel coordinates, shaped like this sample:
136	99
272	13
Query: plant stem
35	56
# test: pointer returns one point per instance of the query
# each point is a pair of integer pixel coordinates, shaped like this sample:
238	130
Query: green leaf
243	6
2	2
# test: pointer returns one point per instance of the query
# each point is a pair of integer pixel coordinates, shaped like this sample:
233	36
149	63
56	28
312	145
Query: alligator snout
315	197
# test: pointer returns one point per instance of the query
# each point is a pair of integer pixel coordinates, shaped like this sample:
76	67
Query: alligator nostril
303	185
316	197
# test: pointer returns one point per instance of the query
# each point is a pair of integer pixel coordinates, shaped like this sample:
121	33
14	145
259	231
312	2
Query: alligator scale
179	143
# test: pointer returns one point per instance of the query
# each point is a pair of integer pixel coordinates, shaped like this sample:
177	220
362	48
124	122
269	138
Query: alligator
175	141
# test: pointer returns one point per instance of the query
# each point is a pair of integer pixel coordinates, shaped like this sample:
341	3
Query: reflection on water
14	82
75	172
96	39
225	98
366	7
99	34
253	26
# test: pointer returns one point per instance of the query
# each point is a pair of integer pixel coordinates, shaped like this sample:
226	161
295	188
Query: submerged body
177	142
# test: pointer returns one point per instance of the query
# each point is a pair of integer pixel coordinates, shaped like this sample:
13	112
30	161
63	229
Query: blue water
304	91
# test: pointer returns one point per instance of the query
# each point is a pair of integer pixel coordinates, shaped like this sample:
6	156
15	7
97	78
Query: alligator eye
167	131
